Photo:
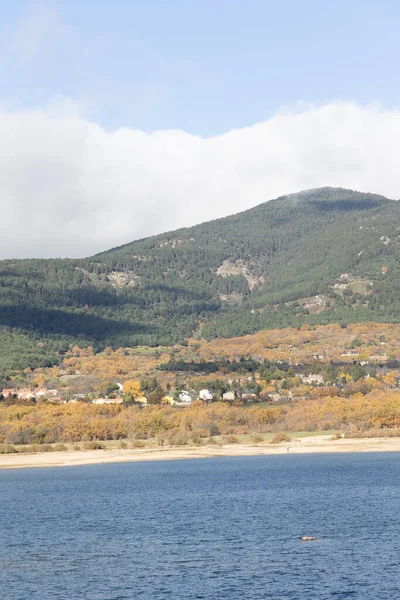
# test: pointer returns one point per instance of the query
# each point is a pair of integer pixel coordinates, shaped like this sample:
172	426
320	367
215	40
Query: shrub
280	437
214	429
231	439
123	445
76	447
25	435
178	438
26	449
257	439
7	449
60	448
373	433
354	434
94	445
46	448
199	433
140	435
138	444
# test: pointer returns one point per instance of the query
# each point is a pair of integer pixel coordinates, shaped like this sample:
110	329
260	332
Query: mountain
320	256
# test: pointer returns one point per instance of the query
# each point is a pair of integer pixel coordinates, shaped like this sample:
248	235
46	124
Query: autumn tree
132	388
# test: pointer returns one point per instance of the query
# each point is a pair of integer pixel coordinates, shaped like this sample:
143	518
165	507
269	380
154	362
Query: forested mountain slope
320	256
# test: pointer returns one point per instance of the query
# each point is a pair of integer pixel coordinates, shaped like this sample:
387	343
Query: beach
307	445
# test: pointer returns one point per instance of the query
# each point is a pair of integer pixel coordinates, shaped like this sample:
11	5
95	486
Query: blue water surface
223	528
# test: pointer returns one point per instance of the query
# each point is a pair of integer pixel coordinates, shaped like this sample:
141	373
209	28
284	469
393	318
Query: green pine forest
320	256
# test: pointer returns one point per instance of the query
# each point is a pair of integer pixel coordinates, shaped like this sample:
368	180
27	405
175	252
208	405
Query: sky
123	119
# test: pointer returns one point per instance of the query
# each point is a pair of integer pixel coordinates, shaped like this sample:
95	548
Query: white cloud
70	188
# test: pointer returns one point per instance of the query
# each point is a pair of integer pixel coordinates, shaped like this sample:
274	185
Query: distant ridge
319	256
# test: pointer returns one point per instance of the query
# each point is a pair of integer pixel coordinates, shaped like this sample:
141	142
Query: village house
274	397
107	401
205	395
45	393
228	396
25	394
249	396
185	397
28	394
379	358
281	397
313	378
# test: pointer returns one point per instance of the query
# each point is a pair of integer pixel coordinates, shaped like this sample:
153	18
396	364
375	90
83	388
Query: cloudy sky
127	118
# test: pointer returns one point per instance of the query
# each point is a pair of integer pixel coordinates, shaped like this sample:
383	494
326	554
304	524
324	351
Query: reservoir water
217	529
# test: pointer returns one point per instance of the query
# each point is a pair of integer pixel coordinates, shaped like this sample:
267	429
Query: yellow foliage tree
39	380
132	387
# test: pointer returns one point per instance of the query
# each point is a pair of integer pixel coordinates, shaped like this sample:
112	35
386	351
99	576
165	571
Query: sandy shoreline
308	445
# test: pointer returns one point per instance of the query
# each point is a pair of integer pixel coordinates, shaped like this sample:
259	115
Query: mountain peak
333	198
332	193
